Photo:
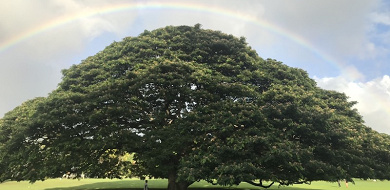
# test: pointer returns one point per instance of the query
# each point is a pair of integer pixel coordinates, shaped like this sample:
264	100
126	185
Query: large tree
191	104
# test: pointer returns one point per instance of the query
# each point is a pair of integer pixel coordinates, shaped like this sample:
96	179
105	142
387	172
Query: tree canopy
190	104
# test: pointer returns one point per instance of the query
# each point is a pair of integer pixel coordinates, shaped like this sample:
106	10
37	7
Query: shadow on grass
125	185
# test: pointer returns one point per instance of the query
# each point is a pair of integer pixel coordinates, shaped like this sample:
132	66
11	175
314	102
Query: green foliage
20	155
190	104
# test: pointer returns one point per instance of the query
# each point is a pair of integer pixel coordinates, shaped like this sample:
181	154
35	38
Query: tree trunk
172	181
173	185
182	185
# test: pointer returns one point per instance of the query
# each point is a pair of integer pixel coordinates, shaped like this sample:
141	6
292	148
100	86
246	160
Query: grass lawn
159	184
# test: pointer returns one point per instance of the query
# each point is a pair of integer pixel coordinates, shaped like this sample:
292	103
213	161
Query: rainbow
131	6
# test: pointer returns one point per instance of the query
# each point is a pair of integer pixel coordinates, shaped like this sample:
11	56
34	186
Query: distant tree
192	104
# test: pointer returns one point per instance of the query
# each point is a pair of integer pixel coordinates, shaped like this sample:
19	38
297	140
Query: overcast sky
343	44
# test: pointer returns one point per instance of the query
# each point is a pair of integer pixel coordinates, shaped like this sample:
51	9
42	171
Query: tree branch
298	182
260	184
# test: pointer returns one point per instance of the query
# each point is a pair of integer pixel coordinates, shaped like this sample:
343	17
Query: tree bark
173	185
172	181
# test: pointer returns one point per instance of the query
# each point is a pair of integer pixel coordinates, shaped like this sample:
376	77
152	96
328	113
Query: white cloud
380	18
31	68
339	26
93	26
373	98
351	73
379	33
373	51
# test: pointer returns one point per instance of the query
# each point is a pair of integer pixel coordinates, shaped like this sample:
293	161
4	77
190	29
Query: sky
343	44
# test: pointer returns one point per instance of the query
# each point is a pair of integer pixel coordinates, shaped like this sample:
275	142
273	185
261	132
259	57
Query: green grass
157	184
